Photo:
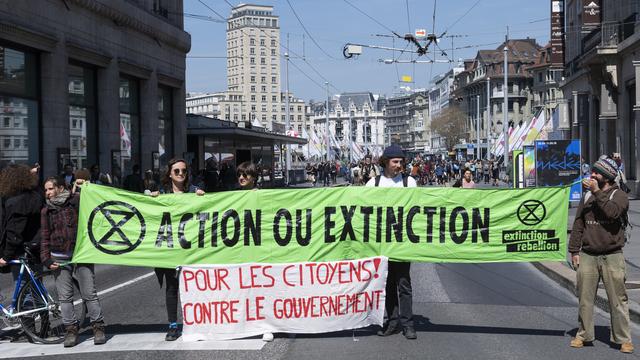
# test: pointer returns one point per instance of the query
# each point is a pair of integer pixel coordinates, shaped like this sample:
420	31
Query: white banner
221	302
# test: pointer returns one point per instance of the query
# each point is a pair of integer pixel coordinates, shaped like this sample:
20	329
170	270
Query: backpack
624	221
405	180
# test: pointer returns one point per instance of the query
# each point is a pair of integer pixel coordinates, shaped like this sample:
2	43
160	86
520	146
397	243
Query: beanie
393	151
606	167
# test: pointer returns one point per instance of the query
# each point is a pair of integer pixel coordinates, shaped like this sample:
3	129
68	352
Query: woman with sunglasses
174	181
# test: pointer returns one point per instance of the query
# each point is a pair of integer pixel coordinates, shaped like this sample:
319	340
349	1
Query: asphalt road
462	311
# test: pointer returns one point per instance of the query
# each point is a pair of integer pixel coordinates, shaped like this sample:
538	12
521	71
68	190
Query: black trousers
170	277
399	300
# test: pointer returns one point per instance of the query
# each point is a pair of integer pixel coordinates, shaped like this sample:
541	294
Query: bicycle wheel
45	325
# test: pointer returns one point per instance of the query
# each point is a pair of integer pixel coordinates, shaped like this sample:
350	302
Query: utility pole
488	124
288	120
479	156
326	129
505	105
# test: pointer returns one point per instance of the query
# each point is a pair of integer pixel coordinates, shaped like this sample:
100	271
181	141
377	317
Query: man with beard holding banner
596	243
399	301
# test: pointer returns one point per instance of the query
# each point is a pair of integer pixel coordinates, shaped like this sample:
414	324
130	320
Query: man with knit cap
596	243
399	298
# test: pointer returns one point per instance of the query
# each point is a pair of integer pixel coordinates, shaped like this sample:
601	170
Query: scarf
57	201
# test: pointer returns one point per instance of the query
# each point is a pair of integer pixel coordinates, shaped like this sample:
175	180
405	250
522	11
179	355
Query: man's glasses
179	171
243	175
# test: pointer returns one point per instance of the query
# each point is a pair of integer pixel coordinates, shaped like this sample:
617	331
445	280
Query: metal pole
288	120
505	107
326	129
350	131
479	152
488	124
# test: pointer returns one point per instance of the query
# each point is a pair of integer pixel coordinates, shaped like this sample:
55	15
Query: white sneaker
267	337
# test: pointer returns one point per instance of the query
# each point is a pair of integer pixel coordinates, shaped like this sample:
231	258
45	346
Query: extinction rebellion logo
531	213
116	227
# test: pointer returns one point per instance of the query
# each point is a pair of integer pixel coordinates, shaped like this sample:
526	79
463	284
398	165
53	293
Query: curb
566	278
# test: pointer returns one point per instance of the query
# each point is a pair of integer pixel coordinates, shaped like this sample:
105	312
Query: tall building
92	82
253	65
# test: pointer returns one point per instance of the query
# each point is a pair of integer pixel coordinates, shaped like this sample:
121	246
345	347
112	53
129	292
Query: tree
451	125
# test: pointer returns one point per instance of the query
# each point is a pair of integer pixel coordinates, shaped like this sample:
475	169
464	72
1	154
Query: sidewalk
566	277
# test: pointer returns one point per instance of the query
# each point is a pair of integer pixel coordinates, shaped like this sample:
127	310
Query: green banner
325	224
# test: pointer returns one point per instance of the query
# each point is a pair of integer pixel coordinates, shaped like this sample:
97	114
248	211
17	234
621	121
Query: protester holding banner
174	181
596	243
399	294
247	174
59	224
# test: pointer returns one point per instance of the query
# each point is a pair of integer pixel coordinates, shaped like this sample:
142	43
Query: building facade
353	117
92	82
407	121
207	105
602	73
439	99
484	103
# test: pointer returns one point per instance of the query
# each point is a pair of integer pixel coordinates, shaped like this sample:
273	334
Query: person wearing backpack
399	299
596	243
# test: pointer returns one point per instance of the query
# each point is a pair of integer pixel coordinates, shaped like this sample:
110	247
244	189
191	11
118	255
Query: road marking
125	342
103	292
120	286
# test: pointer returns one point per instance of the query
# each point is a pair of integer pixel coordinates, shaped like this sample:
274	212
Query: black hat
393	151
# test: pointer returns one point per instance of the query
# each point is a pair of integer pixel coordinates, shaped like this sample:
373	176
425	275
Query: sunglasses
244	175
179	171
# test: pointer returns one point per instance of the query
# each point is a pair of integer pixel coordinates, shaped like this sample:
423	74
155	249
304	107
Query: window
273	52
263	79
18	106
253	79
274	98
263	61
82	116
273	42
273	79
129	128
165	124
264	98
261	42
252	60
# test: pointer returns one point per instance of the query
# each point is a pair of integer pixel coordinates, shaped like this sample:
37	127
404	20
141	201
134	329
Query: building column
55	110
180	123
108	114
149	127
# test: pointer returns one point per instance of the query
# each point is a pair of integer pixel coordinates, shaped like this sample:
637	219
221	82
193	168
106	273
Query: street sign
421	33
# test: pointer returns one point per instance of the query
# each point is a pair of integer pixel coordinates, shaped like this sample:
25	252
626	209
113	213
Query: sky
472	24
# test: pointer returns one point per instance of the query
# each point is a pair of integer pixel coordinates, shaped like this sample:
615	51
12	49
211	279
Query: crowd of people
45	216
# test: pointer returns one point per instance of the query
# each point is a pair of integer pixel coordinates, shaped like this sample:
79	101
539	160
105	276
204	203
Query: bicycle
35	308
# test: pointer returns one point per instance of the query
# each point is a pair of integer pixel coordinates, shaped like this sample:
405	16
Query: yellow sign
407	78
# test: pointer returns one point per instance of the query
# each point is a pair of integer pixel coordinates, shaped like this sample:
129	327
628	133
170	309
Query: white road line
105	291
125	342
120	286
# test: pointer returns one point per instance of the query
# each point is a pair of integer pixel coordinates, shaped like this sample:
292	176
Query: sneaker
389	330
576	343
267	337
627	348
173	334
410	333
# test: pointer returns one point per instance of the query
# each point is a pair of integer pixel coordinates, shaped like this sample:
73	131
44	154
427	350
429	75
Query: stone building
602	69
470	88
407	121
92	82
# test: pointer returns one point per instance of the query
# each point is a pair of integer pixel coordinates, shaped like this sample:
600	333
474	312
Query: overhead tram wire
307	76
373	19
308	33
460	18
291	52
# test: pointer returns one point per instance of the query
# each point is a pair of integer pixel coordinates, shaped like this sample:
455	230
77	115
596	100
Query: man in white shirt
399	298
